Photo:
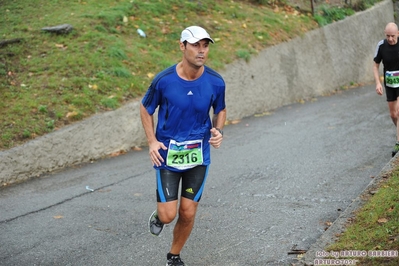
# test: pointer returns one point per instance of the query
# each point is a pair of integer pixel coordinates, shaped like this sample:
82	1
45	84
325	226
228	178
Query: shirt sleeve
377	54
151	99
219	103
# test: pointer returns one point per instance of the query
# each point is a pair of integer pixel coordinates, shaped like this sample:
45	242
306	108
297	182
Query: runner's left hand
216	138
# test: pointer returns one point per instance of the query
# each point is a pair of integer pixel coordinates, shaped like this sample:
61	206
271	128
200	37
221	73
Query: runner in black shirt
387	52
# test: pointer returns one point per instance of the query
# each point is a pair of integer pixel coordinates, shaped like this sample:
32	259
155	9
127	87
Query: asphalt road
277	182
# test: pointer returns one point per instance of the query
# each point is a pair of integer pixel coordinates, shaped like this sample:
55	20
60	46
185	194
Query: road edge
331	235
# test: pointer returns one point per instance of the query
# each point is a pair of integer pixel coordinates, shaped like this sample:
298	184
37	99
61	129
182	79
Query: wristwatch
220	131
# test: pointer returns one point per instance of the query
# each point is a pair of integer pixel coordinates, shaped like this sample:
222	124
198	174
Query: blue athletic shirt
184	108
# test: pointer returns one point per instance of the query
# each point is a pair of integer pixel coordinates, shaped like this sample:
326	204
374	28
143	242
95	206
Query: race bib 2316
185	155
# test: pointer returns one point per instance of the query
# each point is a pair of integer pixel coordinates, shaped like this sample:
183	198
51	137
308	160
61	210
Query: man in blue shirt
179	146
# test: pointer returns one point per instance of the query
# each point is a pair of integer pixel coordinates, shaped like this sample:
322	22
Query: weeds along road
277	181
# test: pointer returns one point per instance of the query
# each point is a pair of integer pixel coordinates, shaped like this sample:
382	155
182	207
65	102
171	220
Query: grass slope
48	81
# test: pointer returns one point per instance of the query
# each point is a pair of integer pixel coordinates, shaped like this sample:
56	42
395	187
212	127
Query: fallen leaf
150	75
71	114
94	86
117	153
60	46
262	114
58	217
382	220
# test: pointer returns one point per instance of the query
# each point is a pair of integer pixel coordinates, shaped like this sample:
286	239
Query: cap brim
195	40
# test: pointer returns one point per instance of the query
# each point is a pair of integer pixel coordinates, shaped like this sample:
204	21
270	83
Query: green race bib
392	79
184	155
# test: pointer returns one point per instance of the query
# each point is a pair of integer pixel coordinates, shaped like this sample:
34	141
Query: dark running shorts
392	94
193	182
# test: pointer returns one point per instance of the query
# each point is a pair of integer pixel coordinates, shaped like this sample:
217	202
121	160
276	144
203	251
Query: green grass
326	15
376	224
48	81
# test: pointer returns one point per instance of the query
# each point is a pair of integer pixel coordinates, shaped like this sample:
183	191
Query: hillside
50	80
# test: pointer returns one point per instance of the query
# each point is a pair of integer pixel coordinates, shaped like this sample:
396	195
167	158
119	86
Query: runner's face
391	35
196	53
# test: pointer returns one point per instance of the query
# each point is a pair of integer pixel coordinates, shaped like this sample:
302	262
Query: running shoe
174	261
395	149
155	225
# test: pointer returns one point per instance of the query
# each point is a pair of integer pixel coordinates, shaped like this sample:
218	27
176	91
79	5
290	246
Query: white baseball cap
194	34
